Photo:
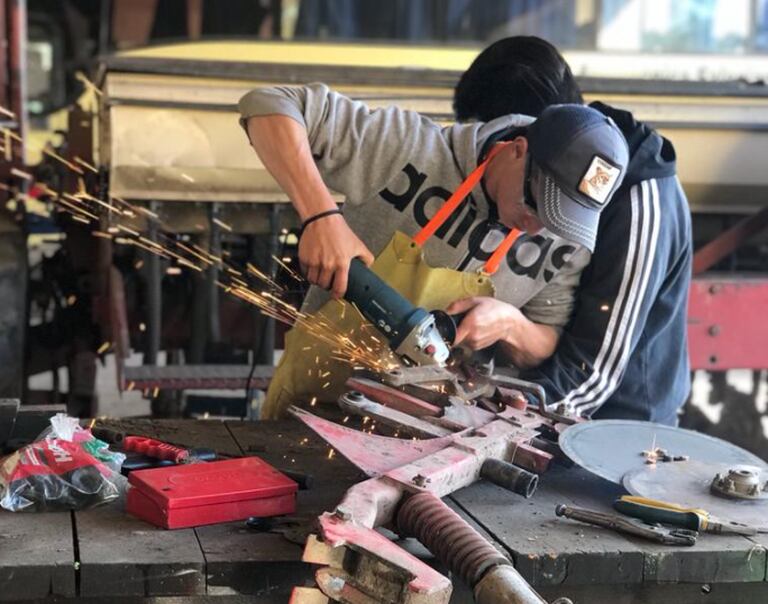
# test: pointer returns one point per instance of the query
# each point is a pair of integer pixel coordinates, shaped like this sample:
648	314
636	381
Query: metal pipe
199	327
268	333
154	295
214	319
504	585
509	476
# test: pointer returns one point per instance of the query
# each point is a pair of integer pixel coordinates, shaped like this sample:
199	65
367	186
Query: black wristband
312	219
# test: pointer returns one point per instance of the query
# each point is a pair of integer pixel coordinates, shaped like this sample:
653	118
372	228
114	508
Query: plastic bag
66	468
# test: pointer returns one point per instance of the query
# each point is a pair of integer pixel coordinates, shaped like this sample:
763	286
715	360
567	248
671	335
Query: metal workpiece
462	443
448	536
355	402
689	484
504	585
741	482
611	448
361	566
456	544
509	476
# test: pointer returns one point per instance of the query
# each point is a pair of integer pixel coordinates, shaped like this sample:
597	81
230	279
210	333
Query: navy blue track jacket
624	353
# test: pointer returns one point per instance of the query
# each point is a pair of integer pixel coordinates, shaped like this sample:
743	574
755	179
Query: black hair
519	74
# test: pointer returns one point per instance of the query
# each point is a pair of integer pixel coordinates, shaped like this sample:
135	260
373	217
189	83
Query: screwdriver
695	519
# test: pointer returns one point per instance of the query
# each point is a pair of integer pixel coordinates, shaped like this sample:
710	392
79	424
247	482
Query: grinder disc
687	483
611	448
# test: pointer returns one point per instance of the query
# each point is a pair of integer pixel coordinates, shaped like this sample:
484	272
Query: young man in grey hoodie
396	167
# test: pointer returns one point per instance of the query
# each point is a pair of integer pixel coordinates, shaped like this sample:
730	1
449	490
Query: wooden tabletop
106	553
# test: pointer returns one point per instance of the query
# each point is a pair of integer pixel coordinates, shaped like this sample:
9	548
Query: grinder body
410	330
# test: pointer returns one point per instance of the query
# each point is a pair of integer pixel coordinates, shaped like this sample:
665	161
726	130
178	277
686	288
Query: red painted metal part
729	241
727	328
421	471
375	455
391	397
338	532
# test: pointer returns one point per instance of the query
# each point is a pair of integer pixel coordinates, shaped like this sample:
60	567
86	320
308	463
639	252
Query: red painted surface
209	493
728	323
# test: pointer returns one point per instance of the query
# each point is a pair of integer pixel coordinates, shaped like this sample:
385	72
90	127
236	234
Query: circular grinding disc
687	483
612	447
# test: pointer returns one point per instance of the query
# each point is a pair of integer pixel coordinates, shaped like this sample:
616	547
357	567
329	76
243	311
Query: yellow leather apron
311	368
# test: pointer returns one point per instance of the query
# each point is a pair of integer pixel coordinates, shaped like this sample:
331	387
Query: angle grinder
417	336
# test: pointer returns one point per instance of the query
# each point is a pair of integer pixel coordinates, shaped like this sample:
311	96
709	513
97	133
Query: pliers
654	532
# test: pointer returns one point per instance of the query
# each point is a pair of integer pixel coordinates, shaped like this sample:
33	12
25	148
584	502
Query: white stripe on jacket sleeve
613	355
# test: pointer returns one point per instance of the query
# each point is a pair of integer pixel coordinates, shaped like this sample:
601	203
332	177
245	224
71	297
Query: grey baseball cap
578	158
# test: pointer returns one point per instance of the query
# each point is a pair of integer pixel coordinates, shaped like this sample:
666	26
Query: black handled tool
632	527
410	330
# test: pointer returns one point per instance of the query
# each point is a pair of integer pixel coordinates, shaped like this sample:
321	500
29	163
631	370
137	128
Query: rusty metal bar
728	242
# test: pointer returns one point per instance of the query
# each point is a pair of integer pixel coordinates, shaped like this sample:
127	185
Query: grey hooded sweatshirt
396	167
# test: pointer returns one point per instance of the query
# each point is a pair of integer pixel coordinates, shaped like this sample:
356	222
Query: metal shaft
509	476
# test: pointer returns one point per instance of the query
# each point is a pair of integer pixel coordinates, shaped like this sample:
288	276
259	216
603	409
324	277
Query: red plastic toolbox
207	493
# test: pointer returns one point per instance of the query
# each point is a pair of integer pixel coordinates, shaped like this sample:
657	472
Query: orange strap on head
453	202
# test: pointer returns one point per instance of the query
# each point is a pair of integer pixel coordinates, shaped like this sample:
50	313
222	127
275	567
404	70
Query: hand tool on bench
151	452
695	519
622	524
461	444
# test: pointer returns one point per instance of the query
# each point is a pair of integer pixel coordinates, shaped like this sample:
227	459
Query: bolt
714	289
420	480
355	395
714	330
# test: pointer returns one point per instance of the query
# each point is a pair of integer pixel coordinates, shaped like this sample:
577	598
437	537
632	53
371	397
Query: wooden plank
239	560
290	445
31	420
267	564
658	593
121	555
548	550
714	558
212	434
37	556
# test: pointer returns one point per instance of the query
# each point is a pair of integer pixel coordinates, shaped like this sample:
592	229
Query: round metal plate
687	483
612	447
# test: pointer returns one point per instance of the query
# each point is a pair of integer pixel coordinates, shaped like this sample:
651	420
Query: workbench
105	555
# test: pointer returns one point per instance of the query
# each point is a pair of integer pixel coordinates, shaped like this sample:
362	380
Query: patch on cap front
599	179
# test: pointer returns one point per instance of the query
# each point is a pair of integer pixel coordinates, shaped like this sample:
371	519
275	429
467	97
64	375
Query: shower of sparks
114	219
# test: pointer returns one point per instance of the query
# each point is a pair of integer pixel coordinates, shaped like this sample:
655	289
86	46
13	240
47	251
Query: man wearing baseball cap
527	228
624	352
